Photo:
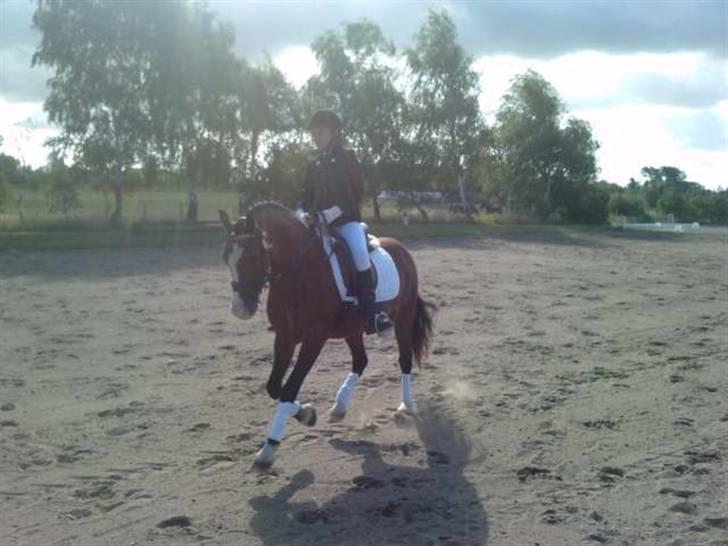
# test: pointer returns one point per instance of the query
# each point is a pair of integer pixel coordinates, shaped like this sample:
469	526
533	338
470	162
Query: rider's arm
356	180
308	190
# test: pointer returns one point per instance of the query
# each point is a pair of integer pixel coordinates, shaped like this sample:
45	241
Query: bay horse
271	245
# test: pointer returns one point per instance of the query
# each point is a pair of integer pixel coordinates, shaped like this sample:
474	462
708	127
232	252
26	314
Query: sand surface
576	394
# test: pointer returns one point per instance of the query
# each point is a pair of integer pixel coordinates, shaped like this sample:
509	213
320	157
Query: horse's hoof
307	415
337	414
406	409
265	457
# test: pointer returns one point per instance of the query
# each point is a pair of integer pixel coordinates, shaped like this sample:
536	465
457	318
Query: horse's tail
422	330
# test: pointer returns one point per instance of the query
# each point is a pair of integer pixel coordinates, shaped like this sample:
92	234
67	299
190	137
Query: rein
252	289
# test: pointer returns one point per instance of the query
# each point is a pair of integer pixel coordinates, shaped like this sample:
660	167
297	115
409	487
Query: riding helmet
326	118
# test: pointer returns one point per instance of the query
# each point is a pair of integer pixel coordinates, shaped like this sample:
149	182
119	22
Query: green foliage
7	193
357	79
280	179
545	164
63	193
628	205
151	95
449	133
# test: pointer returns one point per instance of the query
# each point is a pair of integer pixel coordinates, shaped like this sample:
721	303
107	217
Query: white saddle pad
387	274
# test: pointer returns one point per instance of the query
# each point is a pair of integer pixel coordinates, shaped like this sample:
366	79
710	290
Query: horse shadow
389	504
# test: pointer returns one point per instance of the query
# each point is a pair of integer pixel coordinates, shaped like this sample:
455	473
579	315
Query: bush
63	194
629	205
7	193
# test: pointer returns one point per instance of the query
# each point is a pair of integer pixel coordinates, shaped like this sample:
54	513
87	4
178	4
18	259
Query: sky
651	77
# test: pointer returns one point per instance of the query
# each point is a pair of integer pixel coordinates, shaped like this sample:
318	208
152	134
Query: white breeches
353	234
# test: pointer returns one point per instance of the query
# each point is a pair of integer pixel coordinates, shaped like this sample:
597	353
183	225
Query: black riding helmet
326	118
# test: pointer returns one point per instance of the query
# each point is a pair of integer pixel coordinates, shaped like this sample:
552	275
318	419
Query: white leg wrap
284	411
407	401
343	397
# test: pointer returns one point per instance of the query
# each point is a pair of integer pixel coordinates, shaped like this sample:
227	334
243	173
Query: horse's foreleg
358	363
283	349
288	407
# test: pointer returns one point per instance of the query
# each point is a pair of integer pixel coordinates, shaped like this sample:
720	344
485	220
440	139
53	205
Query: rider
333	186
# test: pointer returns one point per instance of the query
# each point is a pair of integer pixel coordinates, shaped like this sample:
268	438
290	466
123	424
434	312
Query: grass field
154	218
31	208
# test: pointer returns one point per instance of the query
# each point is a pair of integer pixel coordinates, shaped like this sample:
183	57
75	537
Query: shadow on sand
388	504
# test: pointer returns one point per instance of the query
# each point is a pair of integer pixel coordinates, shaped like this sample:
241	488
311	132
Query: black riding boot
377	322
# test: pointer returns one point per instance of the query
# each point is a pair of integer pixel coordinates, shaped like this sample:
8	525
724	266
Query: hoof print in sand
600	424
610	474
438	457
533	472
684	508
681	493
78	513
309	517
365	482
596	537
551	517
176	521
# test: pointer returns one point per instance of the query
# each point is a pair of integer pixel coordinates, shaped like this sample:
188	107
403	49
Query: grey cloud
532	28
546	29
691	93
272	26
537	29
20	82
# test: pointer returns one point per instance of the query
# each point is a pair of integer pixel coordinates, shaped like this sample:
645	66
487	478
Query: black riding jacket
334	178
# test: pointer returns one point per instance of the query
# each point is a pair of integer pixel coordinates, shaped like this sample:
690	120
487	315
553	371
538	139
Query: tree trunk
254	154
546	214
117	186
423	212
464	200
377	212
192	196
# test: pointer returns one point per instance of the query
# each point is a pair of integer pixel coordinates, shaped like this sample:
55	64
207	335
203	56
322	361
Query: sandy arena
576	394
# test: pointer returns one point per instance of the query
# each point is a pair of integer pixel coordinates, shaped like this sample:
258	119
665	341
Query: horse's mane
264	205
281	212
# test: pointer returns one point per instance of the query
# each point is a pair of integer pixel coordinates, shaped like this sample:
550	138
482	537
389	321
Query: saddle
384	270
348	269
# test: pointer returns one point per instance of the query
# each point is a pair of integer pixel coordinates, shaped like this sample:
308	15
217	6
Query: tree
7	194
444	97
131	80
268	107
358	80
547	164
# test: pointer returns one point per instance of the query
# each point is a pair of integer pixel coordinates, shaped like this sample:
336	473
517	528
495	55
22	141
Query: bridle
250	289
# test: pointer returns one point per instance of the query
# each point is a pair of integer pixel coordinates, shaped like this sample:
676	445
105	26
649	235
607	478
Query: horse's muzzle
241	309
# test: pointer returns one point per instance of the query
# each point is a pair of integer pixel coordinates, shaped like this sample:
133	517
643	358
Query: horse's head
246	256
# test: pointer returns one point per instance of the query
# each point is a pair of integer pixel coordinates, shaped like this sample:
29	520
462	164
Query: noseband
251	289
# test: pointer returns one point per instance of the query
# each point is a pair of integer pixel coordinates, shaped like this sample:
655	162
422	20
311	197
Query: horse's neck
288	238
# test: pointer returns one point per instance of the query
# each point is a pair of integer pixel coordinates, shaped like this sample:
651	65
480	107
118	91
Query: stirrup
381	325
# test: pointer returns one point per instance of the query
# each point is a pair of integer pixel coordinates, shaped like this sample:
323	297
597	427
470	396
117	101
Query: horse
273	246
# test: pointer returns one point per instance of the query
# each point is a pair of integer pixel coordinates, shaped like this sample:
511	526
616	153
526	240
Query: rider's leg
353	234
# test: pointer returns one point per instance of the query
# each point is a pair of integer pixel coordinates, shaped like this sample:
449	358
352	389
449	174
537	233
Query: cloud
704	130
591	79
705	89
20	82
635	136
532	28
545	29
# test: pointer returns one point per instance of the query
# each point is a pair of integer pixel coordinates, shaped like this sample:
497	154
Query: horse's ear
225	219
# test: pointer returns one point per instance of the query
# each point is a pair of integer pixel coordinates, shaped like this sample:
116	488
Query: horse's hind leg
404	328
359	361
